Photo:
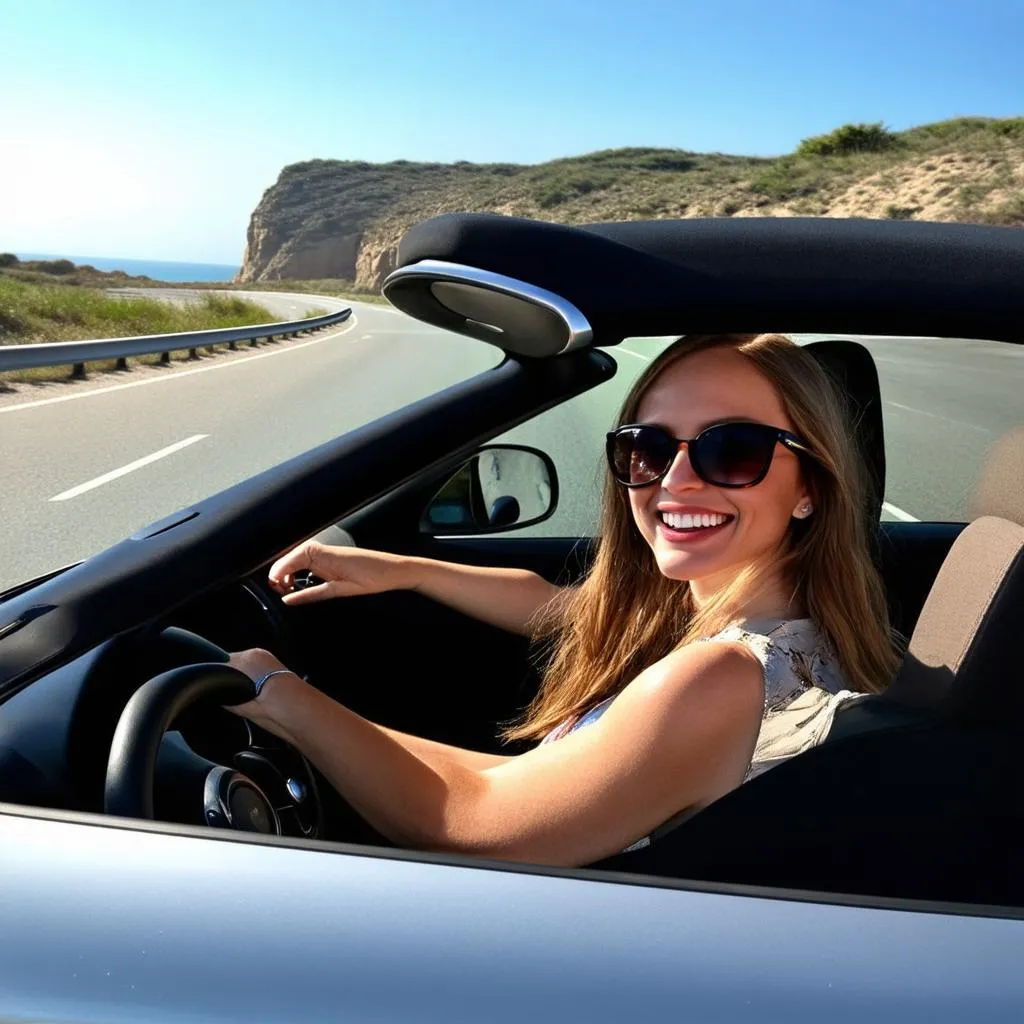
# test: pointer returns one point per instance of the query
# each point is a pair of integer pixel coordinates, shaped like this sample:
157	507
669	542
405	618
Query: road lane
256	412
116	474
945	402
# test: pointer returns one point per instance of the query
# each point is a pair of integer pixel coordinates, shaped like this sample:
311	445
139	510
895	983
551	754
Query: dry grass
50	312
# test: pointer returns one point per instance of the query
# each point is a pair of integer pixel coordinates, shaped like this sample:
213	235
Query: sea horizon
159	270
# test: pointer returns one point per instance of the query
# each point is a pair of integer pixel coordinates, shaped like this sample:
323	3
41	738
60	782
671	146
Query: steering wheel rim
131	766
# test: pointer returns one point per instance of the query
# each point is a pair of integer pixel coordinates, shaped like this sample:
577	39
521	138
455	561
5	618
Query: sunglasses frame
784	437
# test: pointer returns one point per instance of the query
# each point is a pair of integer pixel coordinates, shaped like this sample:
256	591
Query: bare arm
514	599
434	753
680	735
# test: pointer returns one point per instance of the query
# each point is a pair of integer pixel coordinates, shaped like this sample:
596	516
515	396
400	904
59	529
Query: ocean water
159	270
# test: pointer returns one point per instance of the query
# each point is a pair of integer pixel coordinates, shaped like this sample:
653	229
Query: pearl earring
804	511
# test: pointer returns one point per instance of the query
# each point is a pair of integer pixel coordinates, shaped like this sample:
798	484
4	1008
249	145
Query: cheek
768	510
641	514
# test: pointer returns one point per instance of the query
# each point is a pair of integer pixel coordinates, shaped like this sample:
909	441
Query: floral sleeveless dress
803	688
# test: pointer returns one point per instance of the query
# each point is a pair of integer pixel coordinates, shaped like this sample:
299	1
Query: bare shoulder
722	673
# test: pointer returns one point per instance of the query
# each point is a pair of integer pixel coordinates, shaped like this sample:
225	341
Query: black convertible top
745	274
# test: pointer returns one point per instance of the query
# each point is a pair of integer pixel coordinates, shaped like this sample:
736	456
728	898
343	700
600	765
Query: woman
731	608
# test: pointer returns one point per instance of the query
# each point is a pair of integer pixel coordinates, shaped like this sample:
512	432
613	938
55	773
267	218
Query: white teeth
688	521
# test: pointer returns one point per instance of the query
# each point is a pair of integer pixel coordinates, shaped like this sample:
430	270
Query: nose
681	474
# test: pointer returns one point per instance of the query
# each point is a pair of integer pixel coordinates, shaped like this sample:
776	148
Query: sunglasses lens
733	454
639	455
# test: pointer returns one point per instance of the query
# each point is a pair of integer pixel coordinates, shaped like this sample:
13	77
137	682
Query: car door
109	920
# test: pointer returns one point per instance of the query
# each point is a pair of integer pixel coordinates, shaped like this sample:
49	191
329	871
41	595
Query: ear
805	503
803	510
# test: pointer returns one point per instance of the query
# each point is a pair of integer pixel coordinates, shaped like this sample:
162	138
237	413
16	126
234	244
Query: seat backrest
1000	487
965	659
852	367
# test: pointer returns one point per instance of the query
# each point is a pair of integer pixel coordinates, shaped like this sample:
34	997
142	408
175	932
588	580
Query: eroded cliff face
344	219
339	219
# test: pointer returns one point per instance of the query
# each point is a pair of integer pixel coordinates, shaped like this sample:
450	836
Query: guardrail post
77	355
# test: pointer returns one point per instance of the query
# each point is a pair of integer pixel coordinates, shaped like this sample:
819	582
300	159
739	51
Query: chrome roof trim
581	334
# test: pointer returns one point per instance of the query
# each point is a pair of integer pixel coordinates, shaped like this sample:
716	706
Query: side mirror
499	487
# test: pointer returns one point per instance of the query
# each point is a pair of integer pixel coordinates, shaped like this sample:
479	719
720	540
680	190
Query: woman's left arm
680	735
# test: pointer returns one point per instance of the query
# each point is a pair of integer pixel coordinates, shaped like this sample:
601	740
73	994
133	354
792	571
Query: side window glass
573	435
945	403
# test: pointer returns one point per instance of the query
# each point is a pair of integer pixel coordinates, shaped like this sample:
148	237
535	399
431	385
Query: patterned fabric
803	688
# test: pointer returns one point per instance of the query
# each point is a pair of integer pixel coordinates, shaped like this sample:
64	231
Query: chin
684	569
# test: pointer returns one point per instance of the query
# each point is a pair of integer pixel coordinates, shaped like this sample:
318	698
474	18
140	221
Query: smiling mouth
685	527
684	521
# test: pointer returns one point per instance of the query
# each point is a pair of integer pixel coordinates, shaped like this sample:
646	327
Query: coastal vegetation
40	305
342	219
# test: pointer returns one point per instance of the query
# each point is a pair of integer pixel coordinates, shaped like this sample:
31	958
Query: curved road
85	465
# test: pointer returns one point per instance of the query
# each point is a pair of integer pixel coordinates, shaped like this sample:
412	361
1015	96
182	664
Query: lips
693	519
691	526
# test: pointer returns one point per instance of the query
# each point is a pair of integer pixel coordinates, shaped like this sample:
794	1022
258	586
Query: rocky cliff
343	219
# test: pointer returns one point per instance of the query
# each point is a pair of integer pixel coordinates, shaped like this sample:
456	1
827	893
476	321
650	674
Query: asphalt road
85	465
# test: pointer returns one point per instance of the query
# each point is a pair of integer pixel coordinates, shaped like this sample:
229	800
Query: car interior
916	793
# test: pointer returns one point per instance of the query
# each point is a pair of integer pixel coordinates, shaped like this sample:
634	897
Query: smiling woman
733	572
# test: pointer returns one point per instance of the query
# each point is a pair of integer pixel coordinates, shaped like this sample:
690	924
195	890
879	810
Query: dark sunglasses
725	455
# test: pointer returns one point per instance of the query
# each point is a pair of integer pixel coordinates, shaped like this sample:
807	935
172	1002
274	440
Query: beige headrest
1000	487
966	657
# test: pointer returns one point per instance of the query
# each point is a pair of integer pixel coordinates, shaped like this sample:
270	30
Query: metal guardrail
78	353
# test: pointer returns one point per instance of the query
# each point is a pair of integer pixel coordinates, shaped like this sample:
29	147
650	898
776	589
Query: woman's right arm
514	599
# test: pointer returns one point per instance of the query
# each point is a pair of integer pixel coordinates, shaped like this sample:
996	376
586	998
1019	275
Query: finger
297	560
310	595
322	592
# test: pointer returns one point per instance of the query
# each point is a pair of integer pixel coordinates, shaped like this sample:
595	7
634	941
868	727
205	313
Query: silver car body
110	920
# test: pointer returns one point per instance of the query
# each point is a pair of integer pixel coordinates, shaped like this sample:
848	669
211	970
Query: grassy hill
339	219
55	300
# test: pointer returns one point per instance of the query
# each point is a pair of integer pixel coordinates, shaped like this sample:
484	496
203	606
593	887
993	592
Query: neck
773	600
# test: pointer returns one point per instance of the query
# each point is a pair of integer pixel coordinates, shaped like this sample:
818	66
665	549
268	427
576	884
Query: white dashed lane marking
898	513
99	481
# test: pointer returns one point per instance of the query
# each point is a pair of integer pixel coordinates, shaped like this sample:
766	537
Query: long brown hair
626	615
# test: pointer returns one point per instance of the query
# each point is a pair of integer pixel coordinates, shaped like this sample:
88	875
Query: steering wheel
284	801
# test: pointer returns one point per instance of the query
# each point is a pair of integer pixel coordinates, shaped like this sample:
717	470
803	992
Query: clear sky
150	129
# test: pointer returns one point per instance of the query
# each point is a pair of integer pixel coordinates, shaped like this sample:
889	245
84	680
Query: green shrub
894	212
1010	128
788	179
8	259
58	267
850	138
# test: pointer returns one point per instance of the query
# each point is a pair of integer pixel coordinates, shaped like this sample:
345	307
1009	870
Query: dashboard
56	734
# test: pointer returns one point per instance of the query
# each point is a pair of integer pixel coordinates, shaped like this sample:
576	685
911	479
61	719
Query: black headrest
852	367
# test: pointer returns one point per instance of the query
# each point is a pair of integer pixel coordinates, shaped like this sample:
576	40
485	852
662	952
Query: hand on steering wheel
287	791
269	676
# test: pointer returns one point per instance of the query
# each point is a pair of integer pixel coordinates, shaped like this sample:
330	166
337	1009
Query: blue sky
151	129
